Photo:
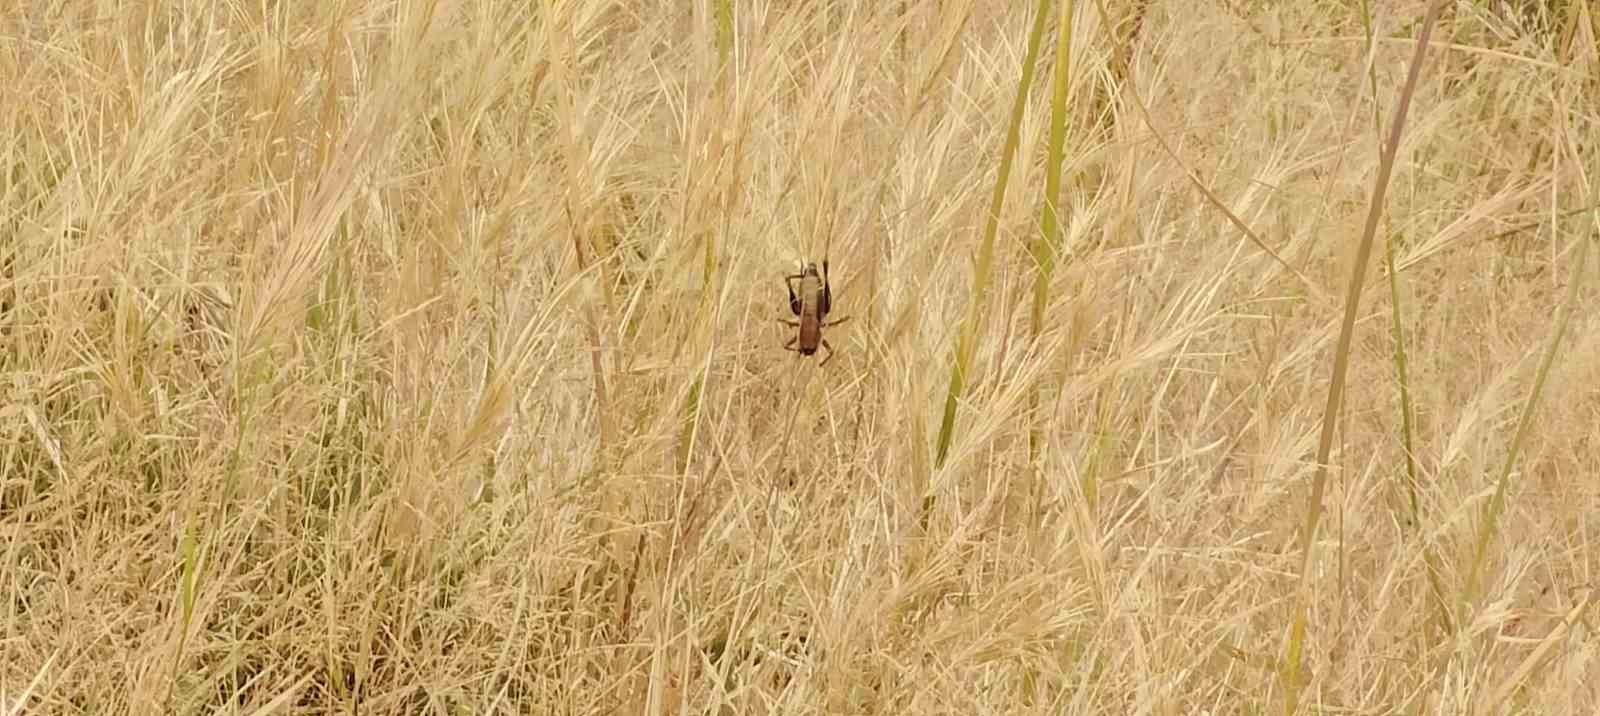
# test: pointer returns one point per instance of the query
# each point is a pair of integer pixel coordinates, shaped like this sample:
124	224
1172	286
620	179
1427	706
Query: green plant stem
975	311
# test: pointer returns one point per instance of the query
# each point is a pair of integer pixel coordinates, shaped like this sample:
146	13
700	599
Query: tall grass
1048	243
1295	646
413	357
976	316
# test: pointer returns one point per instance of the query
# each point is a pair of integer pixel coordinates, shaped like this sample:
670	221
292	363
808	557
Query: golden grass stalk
691	419
363	148
1341	361
1123	49
188	580
968	340
1044	245
1541	653
722	19
558	36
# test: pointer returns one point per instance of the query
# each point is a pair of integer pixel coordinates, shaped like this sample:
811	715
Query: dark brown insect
811	301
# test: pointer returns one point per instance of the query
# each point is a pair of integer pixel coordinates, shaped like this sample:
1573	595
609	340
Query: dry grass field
424	357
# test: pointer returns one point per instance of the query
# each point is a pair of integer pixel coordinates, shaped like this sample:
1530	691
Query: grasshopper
811	301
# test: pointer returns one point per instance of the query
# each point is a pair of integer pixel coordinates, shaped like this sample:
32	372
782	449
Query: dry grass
418	356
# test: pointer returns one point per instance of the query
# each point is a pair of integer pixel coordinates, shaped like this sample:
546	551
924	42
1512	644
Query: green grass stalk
1045	244
724	22
975	311
1402	372
1497	503
1430	557
1402	376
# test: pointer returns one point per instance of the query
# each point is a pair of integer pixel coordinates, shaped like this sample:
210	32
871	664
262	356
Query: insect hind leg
829	347
794	299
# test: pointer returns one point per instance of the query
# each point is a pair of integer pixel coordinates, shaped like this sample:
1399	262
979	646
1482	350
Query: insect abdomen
810	335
